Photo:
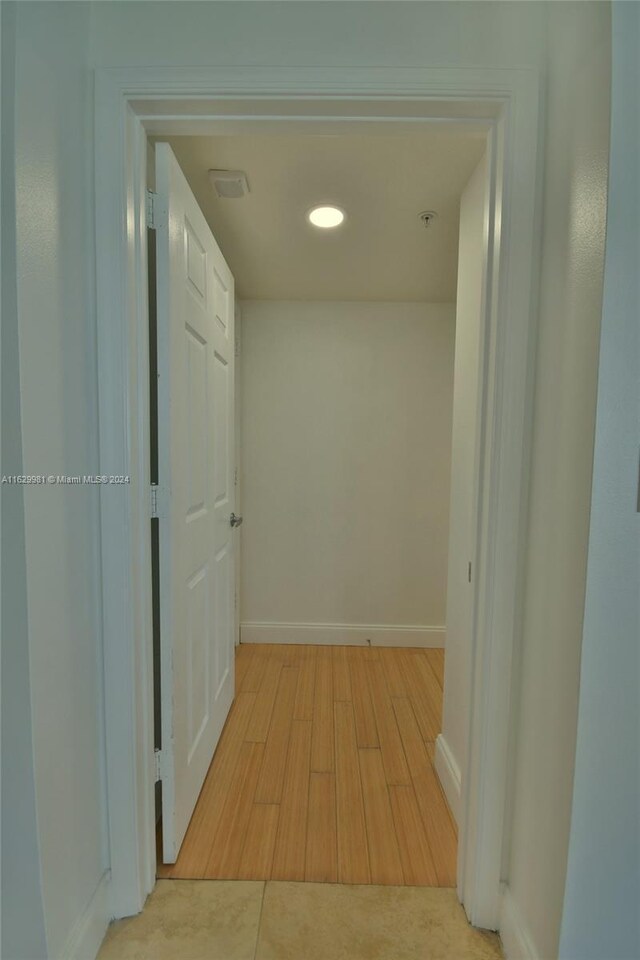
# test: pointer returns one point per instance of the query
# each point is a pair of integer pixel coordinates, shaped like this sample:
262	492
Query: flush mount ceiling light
325	216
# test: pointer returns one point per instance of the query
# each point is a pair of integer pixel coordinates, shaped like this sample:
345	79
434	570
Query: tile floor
254	920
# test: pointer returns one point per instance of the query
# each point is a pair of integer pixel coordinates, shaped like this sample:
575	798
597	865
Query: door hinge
469	571
151	209
154	501
157	756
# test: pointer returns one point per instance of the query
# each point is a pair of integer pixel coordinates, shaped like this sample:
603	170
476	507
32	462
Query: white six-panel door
195	310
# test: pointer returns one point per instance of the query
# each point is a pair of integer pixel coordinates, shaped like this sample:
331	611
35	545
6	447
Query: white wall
22	935
56	317
561	466
346	426
316	33
601	915
452	747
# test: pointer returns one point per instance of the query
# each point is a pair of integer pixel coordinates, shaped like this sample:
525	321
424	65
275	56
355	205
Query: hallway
324	772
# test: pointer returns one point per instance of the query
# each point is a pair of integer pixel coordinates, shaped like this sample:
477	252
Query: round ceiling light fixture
326	216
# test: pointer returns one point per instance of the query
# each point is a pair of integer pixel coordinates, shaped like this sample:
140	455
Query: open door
195	323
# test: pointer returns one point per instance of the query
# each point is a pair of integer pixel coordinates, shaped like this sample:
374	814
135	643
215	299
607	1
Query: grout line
264	890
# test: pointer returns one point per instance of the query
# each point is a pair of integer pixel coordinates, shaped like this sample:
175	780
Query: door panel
195	443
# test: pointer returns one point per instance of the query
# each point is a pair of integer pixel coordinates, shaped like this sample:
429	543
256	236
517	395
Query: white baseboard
517	942
448	771
89	929
349	634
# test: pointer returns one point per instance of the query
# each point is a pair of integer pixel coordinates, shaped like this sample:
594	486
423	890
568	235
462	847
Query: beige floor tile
314	921
190	920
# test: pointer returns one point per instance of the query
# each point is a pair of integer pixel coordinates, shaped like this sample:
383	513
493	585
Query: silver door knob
235	521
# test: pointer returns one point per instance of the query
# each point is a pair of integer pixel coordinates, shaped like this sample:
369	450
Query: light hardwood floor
324	772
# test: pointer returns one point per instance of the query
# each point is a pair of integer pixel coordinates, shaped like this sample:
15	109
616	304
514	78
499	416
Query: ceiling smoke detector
427	217
229	184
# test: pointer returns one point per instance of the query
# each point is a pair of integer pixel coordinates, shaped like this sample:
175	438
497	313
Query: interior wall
570	308
600	917
22	934
56	321
452	747
393	33
346	426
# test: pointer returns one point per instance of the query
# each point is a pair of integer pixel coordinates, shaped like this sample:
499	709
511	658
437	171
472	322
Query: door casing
132	102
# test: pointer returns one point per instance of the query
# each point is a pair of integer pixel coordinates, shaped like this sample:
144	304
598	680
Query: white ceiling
381	252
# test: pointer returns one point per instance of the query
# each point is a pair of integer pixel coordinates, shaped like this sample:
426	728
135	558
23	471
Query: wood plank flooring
324	772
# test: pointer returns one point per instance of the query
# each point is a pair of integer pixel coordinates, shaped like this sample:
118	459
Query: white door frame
507	102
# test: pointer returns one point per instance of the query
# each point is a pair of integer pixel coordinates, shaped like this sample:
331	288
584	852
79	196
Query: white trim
517	943
89	929
505	441
448	771
508	102
123	398
349	634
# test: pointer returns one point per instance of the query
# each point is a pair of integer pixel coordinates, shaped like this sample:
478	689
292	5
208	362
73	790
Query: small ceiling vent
229	184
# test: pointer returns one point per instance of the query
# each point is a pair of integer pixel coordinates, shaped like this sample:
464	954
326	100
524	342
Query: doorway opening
347	396
132	104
